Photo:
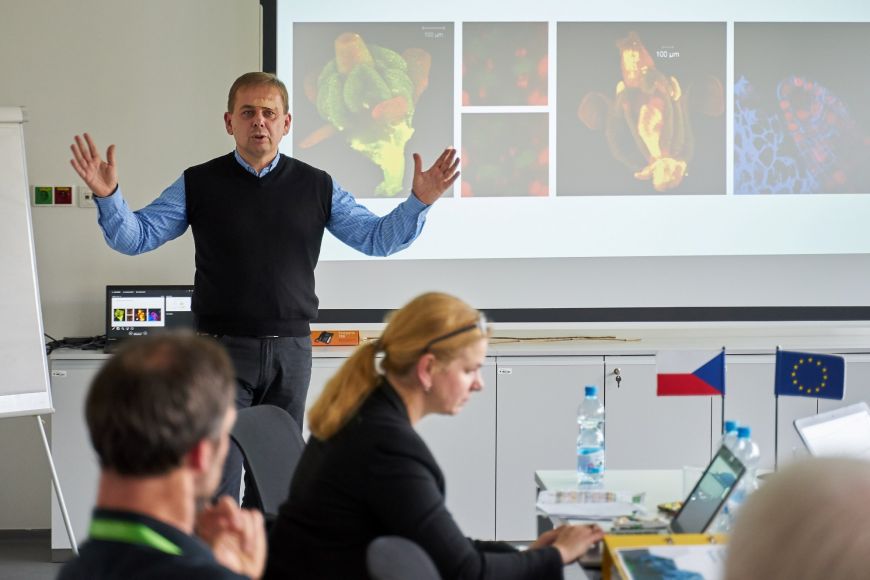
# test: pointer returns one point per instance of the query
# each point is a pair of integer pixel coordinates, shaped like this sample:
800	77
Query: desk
659	485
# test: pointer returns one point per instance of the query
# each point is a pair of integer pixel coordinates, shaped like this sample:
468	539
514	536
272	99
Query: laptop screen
143	310
844	432
709	494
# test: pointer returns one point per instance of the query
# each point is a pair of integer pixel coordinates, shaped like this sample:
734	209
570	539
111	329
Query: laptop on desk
133	311
843	432
703	503
710	493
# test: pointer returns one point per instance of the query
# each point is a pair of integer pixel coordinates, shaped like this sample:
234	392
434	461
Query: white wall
150	76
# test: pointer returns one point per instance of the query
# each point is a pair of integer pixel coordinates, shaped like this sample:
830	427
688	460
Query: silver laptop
842	432
710	493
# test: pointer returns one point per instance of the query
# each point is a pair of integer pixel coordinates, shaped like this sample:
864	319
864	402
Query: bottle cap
730	426
591	391
743	432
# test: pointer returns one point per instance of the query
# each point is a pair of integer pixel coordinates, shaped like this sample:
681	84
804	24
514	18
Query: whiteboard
24	386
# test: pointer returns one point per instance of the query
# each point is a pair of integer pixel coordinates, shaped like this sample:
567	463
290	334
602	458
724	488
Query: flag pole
775	412
724	392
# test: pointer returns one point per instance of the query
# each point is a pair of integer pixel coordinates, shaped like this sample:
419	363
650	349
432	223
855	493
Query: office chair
271	441
397	558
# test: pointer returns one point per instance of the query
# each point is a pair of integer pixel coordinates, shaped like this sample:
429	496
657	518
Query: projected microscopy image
504	63
801	123
368	95
505	155
641	108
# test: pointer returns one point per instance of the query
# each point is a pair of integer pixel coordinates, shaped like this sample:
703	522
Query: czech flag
690	372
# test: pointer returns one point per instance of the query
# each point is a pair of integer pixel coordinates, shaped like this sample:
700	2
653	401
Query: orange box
335	337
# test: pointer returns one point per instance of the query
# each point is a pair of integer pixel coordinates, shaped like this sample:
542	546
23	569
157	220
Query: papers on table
589	504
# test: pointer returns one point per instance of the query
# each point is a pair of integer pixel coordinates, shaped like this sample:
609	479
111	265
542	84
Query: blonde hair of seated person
409	330
811	520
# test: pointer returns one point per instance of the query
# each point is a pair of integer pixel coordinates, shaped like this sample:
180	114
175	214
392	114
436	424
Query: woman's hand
571	541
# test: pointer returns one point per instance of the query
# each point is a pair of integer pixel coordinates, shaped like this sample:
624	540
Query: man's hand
237	537
429	185
100	175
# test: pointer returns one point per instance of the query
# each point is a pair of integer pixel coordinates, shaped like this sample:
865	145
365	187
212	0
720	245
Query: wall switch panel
63	196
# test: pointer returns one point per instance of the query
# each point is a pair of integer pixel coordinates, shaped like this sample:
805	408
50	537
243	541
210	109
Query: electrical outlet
42	195
85	196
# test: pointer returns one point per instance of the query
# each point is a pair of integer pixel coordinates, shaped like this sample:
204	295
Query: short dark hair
155	399
254	79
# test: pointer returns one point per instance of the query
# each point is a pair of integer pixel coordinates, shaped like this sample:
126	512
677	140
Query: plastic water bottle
746	451
729	436
590	439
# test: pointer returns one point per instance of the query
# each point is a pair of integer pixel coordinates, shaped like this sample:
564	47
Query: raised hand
100	175
430	184
237	537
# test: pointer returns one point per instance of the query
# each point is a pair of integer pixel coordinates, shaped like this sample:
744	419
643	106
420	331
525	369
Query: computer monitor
842	432
143	310
709	494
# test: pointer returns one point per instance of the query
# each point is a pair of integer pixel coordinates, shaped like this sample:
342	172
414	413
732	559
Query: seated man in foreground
159	415
808	521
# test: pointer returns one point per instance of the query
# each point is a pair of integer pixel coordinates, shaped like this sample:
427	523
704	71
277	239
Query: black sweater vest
257	242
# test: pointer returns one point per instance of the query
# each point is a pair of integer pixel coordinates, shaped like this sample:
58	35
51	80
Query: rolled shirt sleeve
136	232
356	225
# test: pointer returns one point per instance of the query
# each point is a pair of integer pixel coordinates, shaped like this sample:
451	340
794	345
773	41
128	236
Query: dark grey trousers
269	371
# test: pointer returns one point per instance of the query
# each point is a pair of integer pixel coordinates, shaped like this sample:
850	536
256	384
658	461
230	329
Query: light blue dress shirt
165	218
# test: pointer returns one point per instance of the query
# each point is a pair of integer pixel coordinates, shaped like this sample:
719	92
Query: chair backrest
271	441
397	558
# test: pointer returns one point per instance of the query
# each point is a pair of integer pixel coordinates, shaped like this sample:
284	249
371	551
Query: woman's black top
373	478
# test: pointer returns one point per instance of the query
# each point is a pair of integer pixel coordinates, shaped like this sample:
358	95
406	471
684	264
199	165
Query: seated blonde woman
367	473
809	521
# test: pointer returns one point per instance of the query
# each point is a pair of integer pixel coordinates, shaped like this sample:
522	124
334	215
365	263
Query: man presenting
159	414
258	219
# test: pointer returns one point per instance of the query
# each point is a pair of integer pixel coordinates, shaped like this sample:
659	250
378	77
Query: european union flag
804	374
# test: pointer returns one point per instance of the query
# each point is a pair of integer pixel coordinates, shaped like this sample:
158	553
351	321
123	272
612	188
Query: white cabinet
74	459
322	369
464	447
749	400
645	431
524	420
537	429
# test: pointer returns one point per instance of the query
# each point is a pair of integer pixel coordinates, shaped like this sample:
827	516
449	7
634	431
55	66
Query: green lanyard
132	533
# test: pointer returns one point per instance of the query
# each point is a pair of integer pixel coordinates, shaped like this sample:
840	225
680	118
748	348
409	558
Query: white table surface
659	485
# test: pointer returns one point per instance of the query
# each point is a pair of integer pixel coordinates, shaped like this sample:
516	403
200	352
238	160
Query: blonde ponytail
406	338
344	392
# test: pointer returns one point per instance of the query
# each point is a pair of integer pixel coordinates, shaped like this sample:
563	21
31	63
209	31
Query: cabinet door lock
618	375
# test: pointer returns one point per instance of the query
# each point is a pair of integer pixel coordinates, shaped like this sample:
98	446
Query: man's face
212	477
258	122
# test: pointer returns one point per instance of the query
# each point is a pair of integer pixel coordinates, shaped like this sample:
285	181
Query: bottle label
590	460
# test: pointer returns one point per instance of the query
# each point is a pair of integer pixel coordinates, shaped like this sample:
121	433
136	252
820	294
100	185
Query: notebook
133	311
709	494
843	432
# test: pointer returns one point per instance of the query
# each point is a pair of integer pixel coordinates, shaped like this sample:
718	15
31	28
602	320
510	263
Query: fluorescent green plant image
369	93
